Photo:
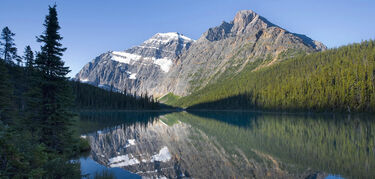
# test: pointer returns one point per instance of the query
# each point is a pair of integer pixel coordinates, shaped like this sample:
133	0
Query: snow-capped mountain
171	62
138	69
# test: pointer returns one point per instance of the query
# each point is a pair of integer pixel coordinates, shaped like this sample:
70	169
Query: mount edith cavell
246	63
173	63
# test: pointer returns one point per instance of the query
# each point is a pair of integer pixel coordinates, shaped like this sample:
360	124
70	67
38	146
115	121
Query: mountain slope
249	41
227	49
340	79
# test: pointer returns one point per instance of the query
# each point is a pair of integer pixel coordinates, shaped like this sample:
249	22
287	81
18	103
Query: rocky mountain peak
245	21
244	17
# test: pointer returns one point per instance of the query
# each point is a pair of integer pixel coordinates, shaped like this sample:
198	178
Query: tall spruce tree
29	57
8	49
57	93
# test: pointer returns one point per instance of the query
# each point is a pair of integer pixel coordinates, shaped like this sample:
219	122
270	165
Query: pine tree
9	51
28	57
57	93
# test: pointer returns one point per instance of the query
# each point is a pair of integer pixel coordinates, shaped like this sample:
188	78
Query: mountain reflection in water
232	144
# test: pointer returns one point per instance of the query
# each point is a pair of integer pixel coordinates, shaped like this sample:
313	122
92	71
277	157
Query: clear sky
91	27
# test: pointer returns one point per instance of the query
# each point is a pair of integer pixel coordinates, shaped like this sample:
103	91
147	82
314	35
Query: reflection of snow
130	142
162	156
84	80
123	160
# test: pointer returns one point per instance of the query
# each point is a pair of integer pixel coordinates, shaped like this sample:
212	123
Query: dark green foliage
23	153
29	57
31	103
91	97
8	49
55	115
340	79
6	93
84	145
23	157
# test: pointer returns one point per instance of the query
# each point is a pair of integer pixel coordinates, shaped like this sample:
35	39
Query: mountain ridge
173	63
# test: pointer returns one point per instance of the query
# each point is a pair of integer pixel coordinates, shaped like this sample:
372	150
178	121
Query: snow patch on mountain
124	57
128	58
164	63
162	156
133	76
123	160
130	142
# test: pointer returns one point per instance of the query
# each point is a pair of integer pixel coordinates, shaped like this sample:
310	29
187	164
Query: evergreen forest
38	103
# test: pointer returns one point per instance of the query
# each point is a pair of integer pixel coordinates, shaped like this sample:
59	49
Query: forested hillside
341	79
91	97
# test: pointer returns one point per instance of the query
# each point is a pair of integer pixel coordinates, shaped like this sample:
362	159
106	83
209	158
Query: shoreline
226	110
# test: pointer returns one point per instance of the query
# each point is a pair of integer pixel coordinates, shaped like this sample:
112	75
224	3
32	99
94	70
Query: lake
208	144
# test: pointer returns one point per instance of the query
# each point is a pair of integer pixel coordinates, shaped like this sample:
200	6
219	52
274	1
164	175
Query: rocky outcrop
171	62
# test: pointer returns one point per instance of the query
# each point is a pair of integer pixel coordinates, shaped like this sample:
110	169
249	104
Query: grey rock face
174	63
138	69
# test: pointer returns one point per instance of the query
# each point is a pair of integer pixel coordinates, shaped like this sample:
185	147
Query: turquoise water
229	144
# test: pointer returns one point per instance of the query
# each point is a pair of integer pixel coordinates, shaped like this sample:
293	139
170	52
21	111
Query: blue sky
91	27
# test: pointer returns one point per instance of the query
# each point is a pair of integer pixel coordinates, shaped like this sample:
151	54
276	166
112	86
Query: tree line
37	101
88	96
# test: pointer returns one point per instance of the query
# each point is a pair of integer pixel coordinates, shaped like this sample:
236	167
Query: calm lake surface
228	145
